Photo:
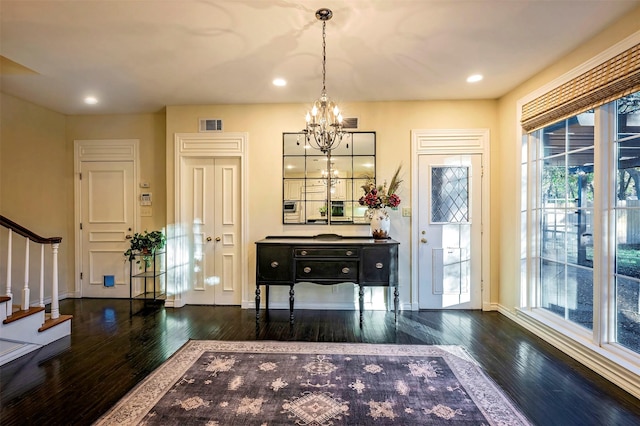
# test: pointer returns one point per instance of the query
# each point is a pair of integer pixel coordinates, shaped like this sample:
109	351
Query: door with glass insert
449	218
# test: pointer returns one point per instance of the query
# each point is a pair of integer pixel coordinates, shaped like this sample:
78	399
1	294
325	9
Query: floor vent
210	125
350	123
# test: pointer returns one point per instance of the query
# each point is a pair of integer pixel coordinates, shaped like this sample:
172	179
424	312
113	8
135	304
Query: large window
562	198
565	209
627	227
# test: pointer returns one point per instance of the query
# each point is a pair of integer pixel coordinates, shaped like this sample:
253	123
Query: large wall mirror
316	190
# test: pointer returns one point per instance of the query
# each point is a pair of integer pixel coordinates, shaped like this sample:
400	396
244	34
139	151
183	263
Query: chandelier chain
324	56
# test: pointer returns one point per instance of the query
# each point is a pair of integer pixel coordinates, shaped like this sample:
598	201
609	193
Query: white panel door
107	217
211	216
450	256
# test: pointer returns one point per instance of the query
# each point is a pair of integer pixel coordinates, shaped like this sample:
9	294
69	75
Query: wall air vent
350	123
210	125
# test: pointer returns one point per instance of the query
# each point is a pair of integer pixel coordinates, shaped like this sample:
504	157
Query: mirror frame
305	194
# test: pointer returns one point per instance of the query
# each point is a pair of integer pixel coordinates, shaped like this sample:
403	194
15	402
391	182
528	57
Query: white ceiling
140	55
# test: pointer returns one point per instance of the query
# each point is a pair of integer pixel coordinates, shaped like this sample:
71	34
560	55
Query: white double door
450	231
209	241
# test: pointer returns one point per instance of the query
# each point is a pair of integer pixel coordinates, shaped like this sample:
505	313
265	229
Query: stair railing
54	242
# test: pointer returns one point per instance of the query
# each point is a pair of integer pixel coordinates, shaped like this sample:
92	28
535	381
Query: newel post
55	306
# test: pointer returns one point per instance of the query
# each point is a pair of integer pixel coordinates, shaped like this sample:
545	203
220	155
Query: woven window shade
613	79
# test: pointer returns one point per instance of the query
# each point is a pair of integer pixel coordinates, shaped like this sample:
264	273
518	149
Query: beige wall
392	121
36	182
506	208
37	172
150	130
49	157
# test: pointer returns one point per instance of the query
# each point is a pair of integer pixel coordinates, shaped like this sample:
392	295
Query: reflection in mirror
364	167
293	144
315	192
294	167
363	144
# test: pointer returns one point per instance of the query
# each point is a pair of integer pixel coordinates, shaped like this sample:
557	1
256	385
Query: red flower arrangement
381	196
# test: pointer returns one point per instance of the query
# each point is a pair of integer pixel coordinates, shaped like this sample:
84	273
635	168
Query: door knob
218	238
423	240
128	237
208	239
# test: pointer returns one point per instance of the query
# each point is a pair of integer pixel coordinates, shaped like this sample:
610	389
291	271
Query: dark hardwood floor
114	345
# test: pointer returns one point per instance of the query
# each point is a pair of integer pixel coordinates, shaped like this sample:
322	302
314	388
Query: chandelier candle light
323	130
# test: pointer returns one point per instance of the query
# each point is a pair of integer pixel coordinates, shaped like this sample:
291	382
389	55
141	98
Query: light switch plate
406	211
146	211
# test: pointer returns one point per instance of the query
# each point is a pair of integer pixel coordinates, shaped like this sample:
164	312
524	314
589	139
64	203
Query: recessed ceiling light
91	100
474	78
279	82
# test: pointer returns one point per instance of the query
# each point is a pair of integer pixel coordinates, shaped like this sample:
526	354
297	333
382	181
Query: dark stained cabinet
326	259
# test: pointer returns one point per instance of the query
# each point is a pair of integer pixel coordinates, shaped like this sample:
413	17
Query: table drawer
348	252
377	264
274	263
327	270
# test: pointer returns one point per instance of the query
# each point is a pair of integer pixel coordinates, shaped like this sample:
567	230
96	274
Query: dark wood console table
326	259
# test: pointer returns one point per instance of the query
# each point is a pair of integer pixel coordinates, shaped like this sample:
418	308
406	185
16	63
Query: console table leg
396	301
291	299
257	303
361	301
266	302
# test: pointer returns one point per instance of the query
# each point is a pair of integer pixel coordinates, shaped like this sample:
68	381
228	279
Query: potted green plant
323	211
145	244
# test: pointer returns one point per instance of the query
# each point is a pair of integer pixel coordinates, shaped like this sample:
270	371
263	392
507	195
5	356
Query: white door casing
209	191
449	219
449	142
106	172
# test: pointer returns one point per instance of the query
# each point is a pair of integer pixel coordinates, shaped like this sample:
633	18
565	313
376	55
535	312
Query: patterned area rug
297	383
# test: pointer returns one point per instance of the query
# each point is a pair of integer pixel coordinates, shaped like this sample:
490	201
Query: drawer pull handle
345	270
303	252
349	253
379	265
306	269
274	264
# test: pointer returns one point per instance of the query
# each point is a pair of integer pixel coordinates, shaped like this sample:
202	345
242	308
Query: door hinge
80	176
80	275
81	225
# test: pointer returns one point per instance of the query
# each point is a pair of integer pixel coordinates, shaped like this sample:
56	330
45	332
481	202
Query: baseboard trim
623	372
10	350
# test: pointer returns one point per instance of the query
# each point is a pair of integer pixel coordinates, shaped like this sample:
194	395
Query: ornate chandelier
324	121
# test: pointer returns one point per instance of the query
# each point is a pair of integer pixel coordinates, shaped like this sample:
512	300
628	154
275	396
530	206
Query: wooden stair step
4	299
15	316
48	323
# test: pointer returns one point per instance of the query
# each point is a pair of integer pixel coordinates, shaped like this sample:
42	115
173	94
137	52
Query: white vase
380	224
